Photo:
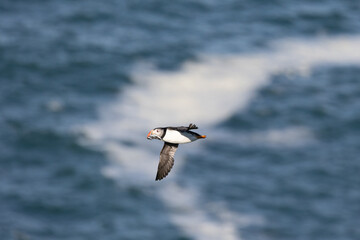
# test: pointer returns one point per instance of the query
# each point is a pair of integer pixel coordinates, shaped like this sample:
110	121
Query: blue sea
275	86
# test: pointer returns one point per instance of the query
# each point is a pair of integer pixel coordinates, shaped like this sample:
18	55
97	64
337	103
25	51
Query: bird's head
155	133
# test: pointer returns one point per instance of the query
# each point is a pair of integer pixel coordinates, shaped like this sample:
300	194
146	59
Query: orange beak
149	134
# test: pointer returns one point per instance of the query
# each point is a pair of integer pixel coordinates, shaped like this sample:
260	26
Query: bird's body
172	137
176	136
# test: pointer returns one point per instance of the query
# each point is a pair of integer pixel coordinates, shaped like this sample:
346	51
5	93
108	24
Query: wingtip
192	126
164	175
158	178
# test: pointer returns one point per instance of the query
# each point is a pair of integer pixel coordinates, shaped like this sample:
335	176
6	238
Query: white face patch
173	136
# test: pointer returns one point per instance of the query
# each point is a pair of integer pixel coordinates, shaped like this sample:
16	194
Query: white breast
173	136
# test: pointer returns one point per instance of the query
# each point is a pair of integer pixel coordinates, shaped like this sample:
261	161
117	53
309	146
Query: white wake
206	93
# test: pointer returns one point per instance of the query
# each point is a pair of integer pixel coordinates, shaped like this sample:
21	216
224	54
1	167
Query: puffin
172	137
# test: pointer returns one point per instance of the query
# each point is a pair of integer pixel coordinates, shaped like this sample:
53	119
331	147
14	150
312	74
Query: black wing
192	126
166	160
184	129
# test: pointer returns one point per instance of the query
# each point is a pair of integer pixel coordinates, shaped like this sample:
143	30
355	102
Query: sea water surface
275	86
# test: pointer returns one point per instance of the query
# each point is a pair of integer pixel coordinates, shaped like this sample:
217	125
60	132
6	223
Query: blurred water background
275	85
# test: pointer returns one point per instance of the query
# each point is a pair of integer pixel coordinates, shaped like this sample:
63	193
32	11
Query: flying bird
172	137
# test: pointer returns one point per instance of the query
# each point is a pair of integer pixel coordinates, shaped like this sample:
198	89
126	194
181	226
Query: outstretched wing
166	160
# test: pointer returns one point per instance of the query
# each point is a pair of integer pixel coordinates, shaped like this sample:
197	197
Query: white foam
193	216
205	93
